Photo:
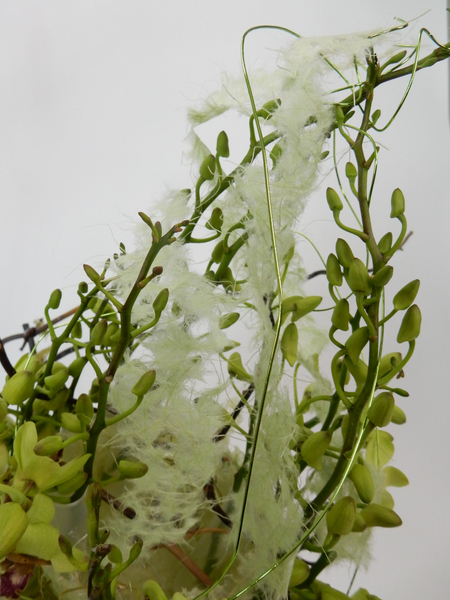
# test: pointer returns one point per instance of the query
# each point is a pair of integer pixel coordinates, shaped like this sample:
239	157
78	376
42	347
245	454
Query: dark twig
30	340
189	564
127	511
210	494
4	360
240	405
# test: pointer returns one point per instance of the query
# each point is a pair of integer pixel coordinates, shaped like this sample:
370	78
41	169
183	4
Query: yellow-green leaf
380	449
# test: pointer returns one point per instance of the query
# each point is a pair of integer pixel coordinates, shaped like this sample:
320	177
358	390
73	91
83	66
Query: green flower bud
275	154
35	366
375	116
57	380
58	366
385	244
19	387
398	416
207	168
77	331
289	344
178	596
314	448
388	363
95	387
396	58
359	525
300	306
397	203
115	555
13	523
222	147
358	278
83	287
334	273
20	364
216	220
383	276
289	254
228	320
3	410
375	515
84	409
153	591
358	371
356	342
394	477
400	392
339	113
267	109
92	304
305	306
300	573
93	276
111	330
160	301
73	484
229	282
350	172
236	368
380	413
341	516
114	337
49	445
334	202
344	253
145	383
98	332
4	457
132	470
363	482
55	299
341	315
406	296
217	253
410	327
77	366
70	422
385	499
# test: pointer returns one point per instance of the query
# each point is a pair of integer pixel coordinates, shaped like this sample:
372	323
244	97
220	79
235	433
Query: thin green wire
271	361
339	486
336	170
278	323
413	74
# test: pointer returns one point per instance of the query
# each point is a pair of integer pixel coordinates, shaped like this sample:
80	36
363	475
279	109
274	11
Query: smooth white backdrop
93	95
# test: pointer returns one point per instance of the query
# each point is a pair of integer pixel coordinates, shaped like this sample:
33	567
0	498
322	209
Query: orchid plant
185	402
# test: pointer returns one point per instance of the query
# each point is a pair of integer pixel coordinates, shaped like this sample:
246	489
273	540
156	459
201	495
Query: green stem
252	153
126	413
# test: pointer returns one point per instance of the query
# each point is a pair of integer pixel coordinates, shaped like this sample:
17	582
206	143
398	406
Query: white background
92	118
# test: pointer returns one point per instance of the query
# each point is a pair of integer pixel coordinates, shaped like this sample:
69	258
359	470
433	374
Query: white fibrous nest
173	430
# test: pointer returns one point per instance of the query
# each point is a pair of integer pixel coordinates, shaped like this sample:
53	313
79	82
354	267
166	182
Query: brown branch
194	532
189	564
127	511
245	396
210	494
33	331
4	361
